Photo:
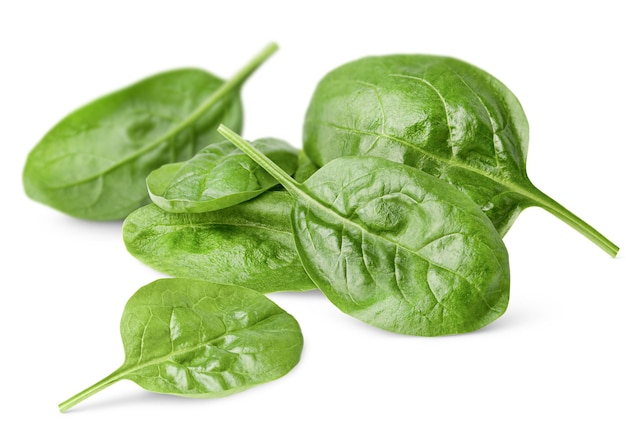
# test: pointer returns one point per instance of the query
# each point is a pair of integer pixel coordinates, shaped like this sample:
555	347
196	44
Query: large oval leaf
396	247
200	339
93	163
218	176
399	249
250	244
441	115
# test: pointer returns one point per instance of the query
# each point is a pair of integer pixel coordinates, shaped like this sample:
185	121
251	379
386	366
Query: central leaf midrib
512	186
209	224
157	361
232	85
185	123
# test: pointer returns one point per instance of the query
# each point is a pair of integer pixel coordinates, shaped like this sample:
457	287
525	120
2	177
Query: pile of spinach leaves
413	167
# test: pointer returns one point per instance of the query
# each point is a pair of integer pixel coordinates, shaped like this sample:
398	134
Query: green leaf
440	115
200	339
250	244
305	169
93	164
396	247
218	176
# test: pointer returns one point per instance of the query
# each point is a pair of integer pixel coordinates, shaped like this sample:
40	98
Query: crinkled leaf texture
399	249
199	339
440	115
218	176
250	244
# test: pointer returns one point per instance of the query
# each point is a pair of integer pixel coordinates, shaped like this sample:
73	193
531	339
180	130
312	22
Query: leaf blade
218	176
223	339
389	272
250	244
93	163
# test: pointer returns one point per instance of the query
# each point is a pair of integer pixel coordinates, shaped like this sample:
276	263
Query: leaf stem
232	83
264	162
552	206
81	396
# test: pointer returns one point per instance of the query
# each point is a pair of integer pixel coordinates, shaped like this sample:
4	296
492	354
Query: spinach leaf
218	176
305	169
93	164
199	339
395	247
250	244
441	115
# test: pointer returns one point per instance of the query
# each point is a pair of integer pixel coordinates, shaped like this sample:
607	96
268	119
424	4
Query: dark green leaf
218	176
441	115
200	339
250	244
93	164
396	247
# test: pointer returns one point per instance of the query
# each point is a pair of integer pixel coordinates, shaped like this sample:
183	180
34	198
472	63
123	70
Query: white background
550	370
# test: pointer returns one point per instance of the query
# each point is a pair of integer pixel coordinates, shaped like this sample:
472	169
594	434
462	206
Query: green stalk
81	396
232	83
544	201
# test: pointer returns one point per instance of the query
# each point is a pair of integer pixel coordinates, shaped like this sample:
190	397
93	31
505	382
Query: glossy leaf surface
93	164
250	244
218	176
441	115
200	339
396	247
